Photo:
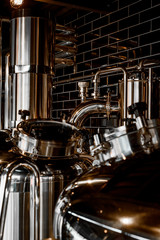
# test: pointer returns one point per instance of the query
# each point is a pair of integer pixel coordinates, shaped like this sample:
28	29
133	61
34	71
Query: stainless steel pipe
152	63
85	109
108	71
1	121
82	111
7	97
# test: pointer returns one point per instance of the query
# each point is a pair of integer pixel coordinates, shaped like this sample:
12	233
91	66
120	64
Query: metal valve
100	148
96	82
138	109
23	113
83	90
141	123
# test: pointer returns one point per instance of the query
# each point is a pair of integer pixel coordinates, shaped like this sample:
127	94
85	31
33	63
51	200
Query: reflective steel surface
117	198
31	67
29	185
30	48
141	88
46	138
116	202
29	190
125	141
87	108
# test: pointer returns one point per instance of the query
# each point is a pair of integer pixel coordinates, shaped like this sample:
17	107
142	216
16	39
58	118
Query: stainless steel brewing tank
31	65
34	184
54	176
112	202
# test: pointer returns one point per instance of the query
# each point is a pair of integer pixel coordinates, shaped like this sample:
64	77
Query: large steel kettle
33	175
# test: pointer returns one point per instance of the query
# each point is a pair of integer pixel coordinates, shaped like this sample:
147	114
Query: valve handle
23	113
137	108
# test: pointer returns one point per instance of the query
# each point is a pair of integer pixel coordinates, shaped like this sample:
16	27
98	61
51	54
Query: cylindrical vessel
33	93
141	89
29	189
32	40
31	65
54	176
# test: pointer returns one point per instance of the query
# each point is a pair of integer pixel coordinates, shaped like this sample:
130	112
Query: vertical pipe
13	100
7	98
125	97
1	93
149	93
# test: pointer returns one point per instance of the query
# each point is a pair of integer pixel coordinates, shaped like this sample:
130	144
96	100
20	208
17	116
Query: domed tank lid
126	205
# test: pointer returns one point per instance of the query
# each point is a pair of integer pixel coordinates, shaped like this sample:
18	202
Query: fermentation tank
38	155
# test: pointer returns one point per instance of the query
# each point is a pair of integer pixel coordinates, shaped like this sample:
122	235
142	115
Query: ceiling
60	8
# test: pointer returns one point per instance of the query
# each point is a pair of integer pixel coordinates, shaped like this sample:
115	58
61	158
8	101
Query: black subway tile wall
128	33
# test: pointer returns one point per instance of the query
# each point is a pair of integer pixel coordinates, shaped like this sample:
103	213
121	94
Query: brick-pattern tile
129	32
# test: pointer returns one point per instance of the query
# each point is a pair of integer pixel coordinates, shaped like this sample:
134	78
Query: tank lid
45	138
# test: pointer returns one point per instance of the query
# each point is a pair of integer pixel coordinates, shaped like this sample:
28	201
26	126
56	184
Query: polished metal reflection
30	48
86	109
7	100
31	67
45	139
125	89
33	93
83	90
92	206
124	142
1	121
29	191
6	175
141	88
41	160
118	208
132	89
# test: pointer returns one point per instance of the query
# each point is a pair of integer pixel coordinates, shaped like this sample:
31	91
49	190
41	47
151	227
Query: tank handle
7	172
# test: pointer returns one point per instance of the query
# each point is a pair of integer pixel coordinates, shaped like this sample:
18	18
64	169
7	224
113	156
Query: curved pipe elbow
85	109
